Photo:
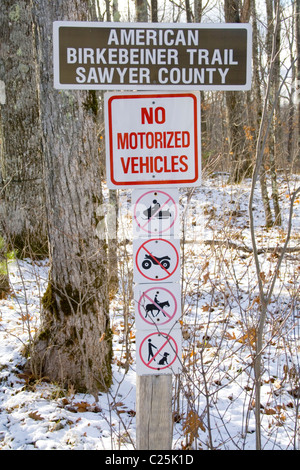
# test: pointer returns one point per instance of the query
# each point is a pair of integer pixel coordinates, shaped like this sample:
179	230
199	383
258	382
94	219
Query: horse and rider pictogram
157	305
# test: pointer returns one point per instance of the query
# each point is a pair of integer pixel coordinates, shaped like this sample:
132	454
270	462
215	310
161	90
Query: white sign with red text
152	139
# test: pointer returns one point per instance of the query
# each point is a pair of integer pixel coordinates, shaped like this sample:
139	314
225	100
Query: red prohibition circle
142	246
171	316
168	338
145	194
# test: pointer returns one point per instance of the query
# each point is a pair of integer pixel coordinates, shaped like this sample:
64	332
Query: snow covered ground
214	396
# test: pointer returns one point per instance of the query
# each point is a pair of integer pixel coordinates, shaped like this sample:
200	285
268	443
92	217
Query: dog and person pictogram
158	355
163	361
159	351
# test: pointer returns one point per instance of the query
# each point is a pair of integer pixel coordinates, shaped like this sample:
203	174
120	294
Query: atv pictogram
164	261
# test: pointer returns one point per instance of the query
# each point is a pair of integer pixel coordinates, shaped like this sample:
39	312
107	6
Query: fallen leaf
249	337
118	403
34	415
270	411
229	336
102	338
82	406
192	424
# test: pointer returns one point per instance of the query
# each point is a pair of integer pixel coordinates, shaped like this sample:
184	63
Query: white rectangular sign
152	139
155	212
158	352
156	259
157	306
148	56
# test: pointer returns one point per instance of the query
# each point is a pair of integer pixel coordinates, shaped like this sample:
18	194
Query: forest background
54	202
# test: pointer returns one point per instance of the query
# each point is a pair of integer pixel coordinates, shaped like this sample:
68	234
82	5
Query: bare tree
274	136
141	8
235	103
297	20
257	101
22	196
265	294
73	345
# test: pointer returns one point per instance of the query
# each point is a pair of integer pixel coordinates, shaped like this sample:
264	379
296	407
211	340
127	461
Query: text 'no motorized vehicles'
153	138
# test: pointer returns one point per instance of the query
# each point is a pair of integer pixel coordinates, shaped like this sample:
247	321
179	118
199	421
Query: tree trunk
22	208
154	12
294	97
73	345
298	62
258	115
141	9
112	216
115	9
198	8
274	140
235	104
4	279
189	16
264	297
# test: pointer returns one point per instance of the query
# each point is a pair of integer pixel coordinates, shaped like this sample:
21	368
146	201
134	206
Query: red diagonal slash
152	301
159	209
152	256
153	357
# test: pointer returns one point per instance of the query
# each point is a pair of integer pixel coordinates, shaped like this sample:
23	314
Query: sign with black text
144	56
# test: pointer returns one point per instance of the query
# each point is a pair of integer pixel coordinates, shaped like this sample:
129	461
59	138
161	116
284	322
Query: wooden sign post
154	412
154	146
157	303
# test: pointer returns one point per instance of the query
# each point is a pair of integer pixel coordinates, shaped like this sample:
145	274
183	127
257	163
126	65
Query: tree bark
154	11
141	9
198	9
22	209
258	115
189	16
73	345
235	104
274	137
298	60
